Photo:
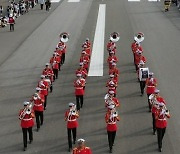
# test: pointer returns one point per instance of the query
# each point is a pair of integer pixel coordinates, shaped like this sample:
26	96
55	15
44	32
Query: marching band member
71	116
136	47
82	70
139	57
111	100
26	116
112	84
62	47
151	84
38	109
79	85
44	89
81	149
111	118
48	72
111	46
155	99
142	81
55	68
85	60
112	59
114	70
161	123
87	47
167	4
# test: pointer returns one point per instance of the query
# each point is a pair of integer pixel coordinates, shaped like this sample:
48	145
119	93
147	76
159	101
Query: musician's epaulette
87	147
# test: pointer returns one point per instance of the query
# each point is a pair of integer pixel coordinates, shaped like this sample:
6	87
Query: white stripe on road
134	0
97	57
55	1
73	1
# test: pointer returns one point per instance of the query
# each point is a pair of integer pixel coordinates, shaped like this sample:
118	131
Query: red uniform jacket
55	65
38	103
62	47
115	72
11	20
161	121
111	45
48	72
85	150
159	99
79	85
139	58
111	122
151	84
82	71
85	60
112	59
27	121
71	119
44	86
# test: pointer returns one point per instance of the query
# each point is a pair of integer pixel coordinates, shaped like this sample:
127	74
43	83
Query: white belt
111	123
151	86
162	119
37	104
80	88
72	120
27	119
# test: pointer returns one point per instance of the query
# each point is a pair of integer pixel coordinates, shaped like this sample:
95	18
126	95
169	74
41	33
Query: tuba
114	37
64	37
139	37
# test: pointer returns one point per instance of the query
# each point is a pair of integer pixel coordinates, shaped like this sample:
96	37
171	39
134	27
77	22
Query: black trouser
154	122
59	66
79	101
39	118
142	86
51	88
73	130
111	138
47	7
63	58
32	4
45	101
11	27
149	104
55	71
25	131
160	135
42	6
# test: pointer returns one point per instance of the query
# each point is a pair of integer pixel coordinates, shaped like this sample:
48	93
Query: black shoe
44	108
110	151
74	142
30	141
160	149
70	149
154	133
25	148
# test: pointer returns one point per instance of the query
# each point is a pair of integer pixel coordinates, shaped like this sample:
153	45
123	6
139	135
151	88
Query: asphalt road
24	52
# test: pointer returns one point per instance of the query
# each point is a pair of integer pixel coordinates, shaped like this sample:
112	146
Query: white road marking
97	57
55	1
134	0
73	1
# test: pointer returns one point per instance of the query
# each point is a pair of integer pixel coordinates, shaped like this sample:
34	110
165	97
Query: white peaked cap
25	103
112	106
37	88
79	75
80	64
84	52
42	76
80	140
71	104
151	73
157	91
161	104
111	75
114	64
47	64
111	92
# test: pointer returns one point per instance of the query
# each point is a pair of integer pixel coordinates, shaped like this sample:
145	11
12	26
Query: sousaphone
64	37
139	37
114	37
